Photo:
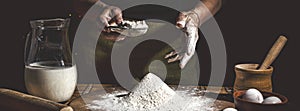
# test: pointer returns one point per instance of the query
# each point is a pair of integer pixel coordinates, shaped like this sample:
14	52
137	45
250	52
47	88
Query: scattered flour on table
151	94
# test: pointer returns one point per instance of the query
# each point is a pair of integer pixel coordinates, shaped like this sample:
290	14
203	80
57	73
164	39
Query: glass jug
50	72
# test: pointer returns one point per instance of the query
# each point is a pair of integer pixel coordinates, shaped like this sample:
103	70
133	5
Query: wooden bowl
243	105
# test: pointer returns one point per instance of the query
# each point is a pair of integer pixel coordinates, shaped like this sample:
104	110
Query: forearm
81	6
207	8
91	2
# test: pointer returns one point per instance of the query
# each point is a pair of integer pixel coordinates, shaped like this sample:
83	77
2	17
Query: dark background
249	27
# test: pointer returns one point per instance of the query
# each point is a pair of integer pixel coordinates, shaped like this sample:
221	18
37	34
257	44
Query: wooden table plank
89	91
96	87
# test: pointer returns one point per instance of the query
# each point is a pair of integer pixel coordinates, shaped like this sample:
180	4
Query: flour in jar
151	94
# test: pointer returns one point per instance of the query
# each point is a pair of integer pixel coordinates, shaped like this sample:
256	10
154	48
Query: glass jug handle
27	47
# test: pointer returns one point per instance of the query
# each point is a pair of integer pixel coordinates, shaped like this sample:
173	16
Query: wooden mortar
258	76
247	76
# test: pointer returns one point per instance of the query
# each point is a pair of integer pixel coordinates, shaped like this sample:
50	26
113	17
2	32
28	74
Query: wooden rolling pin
273	53
11	100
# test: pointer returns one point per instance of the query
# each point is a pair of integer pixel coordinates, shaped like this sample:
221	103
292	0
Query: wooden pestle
273	53
18	101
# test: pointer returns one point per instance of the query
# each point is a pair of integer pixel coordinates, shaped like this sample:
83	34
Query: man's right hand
189	23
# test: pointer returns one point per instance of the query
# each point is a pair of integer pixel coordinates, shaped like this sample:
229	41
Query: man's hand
111	14
108	13
189	23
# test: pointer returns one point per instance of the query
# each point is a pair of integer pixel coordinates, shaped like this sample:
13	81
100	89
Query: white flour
151	94
136	28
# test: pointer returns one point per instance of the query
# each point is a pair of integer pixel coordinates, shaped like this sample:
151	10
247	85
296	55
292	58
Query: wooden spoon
273	53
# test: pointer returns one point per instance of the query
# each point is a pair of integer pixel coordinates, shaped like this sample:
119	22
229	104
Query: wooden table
88	91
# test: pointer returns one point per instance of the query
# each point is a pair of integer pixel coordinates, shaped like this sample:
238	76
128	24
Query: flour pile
151	94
